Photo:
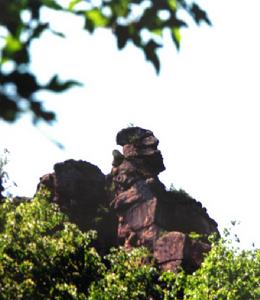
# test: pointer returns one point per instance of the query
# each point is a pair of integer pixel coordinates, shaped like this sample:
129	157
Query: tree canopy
44	256
141	22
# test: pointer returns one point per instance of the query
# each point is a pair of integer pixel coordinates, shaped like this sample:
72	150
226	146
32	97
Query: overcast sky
203	107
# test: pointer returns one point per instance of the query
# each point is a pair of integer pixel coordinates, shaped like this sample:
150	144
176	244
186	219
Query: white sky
203	107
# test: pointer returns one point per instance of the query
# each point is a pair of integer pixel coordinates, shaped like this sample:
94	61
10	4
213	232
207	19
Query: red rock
148	215
170	247
146	210
176	249
78	188
139	192
141	215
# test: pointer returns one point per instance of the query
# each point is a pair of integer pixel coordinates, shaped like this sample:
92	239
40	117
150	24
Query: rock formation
142	212
149	215
78	188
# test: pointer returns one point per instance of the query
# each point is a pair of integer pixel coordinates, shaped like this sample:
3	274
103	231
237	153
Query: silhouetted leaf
52	4
151	55
34	7
149	19
39	29
122	35
56	85
199	14
59	34
9	108
175	22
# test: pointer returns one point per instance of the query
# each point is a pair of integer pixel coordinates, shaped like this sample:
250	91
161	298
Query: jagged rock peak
139	147
148	214
136	136
131	206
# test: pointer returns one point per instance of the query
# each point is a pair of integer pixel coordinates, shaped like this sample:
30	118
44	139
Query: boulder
78	187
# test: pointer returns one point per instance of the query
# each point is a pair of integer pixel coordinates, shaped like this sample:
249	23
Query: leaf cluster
43	256
141	22
227	273
20	25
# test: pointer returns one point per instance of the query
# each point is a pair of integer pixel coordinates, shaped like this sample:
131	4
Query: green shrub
227	273
42	255
127	277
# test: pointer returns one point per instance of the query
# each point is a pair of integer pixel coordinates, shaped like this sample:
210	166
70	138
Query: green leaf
157	31
52	4
120	8
73	3
172	4
176	36
97	18
12	44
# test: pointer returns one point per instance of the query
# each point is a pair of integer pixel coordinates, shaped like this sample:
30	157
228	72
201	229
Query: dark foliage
19	87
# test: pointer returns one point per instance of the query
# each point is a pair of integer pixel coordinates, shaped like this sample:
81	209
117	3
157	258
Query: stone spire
148	214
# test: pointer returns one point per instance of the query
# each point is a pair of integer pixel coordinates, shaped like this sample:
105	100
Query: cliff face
139	211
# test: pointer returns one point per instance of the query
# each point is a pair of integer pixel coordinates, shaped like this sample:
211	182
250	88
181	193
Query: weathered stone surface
147	236
131	151
138	192
148	214
118	158
78	187
132	135
141	215
179	212
170	247
178	250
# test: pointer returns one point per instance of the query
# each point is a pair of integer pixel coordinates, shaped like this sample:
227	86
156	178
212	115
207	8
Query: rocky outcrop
130	206
78	187
148	214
